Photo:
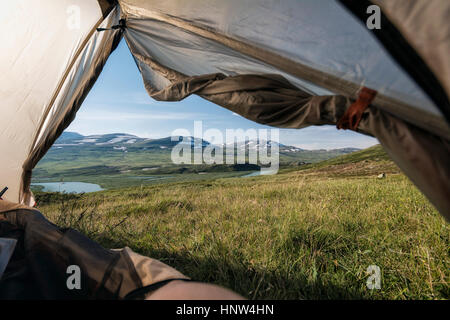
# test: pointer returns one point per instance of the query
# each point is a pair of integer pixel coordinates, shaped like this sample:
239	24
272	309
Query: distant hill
375	153
370	161
69	136
116	154
128	142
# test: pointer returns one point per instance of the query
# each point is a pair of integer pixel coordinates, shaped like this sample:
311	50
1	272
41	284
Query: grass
124	180
304	234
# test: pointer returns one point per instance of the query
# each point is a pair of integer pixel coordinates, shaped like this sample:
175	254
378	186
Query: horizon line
169	136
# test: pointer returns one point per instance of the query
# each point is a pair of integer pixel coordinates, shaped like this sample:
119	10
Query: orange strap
352	117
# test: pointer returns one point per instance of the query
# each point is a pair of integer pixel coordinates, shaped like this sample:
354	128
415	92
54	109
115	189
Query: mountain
127	142
123	141
117	154
69	136
73	138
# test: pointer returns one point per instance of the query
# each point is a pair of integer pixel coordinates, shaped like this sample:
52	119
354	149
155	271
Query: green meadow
309	232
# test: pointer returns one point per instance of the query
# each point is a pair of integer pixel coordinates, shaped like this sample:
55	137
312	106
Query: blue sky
118	102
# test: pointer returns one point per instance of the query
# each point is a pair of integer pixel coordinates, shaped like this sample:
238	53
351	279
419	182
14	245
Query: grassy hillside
361	163
304	234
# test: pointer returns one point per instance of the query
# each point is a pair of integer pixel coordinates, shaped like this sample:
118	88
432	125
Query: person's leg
106	273
190	290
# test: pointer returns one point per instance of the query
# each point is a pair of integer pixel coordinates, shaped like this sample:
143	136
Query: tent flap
412	33
50	54
81	76
318	46
267	99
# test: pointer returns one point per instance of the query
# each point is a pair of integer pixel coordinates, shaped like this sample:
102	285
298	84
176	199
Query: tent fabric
337	55
424	24
27	84
106	6
283	63
82	76
47	67
266	99
38	267
286	64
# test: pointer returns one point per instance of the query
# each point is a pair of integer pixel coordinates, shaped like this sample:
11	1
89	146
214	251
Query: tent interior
288	64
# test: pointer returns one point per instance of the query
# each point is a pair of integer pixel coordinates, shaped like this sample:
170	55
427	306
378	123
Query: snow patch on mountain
87	140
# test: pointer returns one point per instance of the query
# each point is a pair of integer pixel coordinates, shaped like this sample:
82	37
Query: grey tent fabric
266	99
187	38
403	46
425	25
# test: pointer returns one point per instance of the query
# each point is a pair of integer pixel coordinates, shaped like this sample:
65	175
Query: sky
119	103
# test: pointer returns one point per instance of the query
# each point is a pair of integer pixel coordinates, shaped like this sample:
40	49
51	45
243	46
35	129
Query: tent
285	63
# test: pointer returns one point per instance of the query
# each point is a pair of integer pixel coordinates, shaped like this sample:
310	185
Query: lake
260	173
69	187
